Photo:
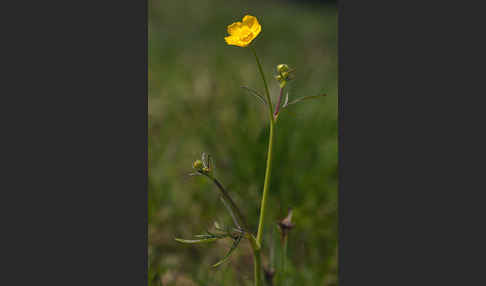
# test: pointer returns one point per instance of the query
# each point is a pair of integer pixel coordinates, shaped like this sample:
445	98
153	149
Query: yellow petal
252	23
241	44
231	40
256	29
247	37
233	28
243	32
235	41
249	21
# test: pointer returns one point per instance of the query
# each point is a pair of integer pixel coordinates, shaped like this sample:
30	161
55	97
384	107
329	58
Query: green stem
257	267
267	93
256	251
266	184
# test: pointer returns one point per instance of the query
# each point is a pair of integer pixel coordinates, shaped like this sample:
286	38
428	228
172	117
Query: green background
196	105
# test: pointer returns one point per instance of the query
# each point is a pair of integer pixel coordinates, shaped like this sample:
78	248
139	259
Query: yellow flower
242	33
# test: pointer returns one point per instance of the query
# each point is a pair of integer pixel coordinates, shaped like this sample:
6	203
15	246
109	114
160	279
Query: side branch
233	206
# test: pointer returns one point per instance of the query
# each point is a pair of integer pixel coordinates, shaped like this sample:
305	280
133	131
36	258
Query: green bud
284	74
281	68
198	165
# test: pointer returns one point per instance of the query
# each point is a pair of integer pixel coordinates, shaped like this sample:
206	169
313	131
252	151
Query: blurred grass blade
301	99
233	247
256	94
192	241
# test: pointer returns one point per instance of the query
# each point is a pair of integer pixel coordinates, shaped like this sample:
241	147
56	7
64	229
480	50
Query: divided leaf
204	238
233	247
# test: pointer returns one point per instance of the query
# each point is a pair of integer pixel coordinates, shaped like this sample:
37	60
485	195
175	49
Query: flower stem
266	184
267	93
256	252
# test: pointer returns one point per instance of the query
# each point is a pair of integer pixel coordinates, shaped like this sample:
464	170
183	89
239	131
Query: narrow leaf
233	247
286	100
195	174
205	236
233	216
303	98
256	94
204	240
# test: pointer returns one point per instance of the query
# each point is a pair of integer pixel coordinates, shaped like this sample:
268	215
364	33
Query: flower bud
284	74
281	68
198	165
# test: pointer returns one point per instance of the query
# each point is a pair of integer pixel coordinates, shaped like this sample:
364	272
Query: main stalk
266	184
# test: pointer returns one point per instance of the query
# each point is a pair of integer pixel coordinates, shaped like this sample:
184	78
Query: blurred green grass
196	104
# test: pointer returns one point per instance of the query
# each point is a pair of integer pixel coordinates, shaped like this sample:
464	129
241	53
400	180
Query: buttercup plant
242	34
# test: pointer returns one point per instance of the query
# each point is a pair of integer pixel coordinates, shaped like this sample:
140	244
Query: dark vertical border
76	166
410	194
145	205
